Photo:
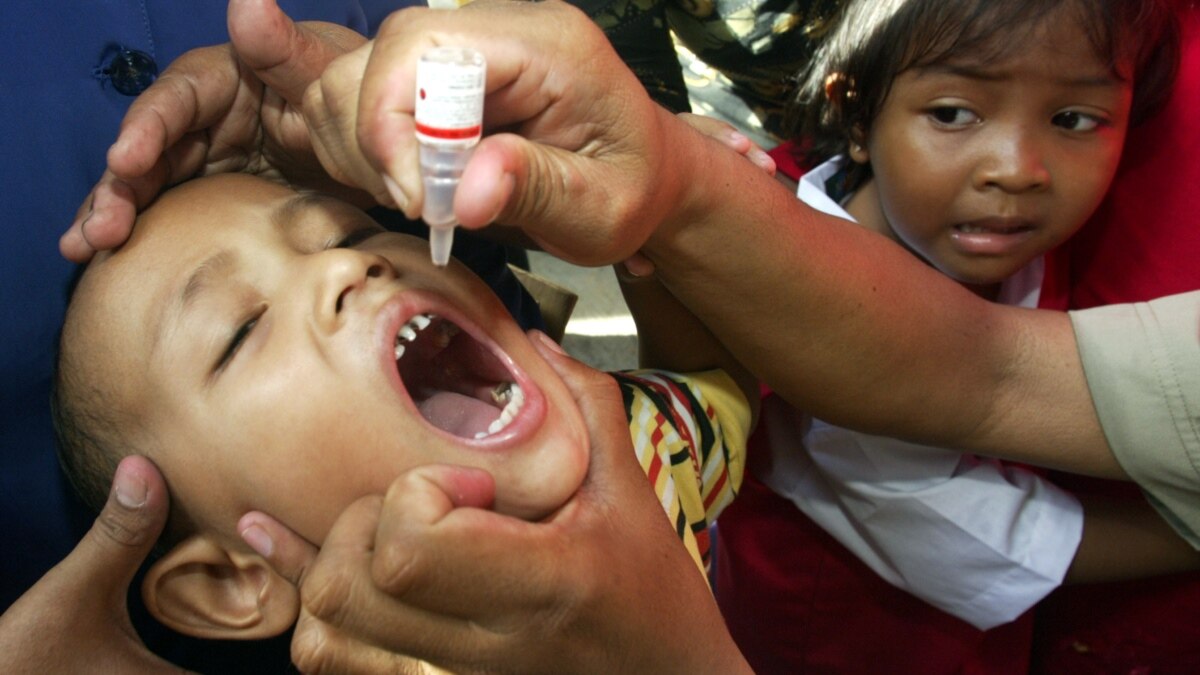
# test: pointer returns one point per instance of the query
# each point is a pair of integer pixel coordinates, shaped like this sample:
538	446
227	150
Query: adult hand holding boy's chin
232	107
603	585
75	618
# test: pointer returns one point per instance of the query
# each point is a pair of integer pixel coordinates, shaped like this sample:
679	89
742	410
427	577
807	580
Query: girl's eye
239	338
1076	121
953	116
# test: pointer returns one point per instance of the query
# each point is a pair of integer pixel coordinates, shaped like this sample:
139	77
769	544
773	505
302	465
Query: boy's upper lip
401	306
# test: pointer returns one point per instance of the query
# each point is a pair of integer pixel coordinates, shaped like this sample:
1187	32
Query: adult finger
320	648
341	601
108	557
75	618
331	114
518	88
392	548
289	554
285	55
728	135
194	92
106	218
594	390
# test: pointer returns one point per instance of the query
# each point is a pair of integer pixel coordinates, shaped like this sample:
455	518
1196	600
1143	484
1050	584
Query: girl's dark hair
849	78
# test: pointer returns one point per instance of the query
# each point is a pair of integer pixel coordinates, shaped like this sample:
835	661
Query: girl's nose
1015	164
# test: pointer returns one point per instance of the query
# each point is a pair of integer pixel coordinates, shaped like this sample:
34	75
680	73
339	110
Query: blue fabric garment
59	112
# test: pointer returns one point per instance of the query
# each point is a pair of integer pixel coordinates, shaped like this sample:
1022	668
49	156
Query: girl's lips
454	376
992	236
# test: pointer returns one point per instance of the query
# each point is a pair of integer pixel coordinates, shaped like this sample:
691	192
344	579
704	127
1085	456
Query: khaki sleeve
1142	363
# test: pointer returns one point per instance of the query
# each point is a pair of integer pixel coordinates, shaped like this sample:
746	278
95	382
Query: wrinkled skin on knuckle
396	568
118	529
372	131
327	593
311	648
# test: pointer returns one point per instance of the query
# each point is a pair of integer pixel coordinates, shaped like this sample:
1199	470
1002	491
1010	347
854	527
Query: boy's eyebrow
176	305
213	266
286	212
224	261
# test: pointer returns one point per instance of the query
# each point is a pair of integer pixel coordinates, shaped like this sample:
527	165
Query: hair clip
839	87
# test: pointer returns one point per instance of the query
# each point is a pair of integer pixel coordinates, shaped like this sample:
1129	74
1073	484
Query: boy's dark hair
88	436
844	88
93	434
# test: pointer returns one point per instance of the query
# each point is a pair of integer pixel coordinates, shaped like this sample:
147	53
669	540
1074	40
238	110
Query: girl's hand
727	134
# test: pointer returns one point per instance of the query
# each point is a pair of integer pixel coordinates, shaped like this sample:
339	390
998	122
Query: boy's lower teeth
511	395
502	393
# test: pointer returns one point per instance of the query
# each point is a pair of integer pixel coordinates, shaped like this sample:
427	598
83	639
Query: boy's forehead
209	213
183	227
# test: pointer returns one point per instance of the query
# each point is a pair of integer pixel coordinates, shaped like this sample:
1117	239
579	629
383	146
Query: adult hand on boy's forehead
230	107
603	585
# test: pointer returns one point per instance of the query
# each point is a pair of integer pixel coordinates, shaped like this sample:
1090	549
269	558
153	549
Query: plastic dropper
449	122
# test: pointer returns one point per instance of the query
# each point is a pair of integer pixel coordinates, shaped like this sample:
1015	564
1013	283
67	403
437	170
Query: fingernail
763	160
508	183
259	540
638	266
130	489
397	194
549	342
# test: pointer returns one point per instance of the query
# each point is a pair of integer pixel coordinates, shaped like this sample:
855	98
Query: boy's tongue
458	414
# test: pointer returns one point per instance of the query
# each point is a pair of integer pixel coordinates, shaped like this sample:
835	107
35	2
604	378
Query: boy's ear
202	589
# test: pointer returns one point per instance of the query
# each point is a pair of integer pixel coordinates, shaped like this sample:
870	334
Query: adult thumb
126	529
285	55
572	205
603	409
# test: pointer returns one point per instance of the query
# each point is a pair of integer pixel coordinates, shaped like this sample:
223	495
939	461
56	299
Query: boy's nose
342	276
1014	165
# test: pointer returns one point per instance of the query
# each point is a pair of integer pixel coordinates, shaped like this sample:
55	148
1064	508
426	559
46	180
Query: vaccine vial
449	122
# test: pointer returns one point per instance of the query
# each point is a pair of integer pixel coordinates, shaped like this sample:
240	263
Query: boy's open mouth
457	383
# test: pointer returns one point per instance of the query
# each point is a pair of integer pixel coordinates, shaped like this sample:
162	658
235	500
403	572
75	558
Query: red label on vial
449	134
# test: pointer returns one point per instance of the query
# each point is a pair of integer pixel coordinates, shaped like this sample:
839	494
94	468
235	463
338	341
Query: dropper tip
441	240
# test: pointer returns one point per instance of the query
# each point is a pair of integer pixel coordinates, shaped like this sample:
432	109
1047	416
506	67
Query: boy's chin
549	481
535	511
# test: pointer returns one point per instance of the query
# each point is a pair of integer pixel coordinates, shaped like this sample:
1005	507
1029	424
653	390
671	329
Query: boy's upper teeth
408	332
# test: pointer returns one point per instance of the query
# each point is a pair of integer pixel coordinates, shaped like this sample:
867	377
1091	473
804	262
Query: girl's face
980	167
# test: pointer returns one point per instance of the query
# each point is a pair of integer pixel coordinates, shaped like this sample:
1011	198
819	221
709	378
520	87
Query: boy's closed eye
246	327
243	331
355	237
